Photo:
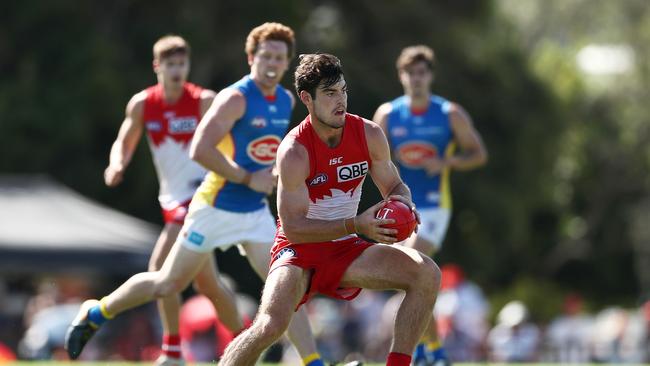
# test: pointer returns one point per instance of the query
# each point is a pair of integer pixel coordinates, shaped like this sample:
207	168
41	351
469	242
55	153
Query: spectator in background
461	312
514	338
568	334
203	335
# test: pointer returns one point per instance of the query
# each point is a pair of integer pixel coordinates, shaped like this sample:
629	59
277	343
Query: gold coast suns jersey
415	136
252	143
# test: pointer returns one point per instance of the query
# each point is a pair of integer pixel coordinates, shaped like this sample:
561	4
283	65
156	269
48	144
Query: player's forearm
213	160
306	230
400	189
121	155
467	161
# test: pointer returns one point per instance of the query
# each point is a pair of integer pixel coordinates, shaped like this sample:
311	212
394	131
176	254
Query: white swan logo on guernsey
414	154
285	253
263	149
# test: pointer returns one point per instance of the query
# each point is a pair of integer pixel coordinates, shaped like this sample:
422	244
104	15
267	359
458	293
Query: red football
405	221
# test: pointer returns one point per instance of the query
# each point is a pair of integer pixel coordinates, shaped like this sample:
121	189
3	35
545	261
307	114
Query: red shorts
177	214
327	261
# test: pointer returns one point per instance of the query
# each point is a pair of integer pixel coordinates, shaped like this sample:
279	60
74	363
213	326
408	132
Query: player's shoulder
291	151
372	129
231	96
207	94
384	109
137	102
288	93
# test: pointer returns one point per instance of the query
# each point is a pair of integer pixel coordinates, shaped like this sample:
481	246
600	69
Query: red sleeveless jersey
170	128
336	174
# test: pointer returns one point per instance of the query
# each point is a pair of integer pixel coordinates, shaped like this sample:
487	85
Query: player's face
416	79
331	103
269	62
173	69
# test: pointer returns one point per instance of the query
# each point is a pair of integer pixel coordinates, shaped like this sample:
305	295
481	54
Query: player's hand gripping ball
405	220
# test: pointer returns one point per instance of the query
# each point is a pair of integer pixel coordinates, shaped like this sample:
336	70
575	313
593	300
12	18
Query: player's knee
168	286
271	327
429	276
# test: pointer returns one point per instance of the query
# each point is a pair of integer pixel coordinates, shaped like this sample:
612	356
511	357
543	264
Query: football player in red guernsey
322	165
168	113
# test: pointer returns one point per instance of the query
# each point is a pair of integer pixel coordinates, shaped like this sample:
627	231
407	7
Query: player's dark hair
317	70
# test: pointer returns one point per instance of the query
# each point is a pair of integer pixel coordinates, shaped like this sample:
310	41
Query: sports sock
420	352
436	351
97	315
171	345
313	360
398	359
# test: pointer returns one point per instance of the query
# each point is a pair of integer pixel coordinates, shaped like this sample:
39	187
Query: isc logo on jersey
351	171
263	149
182	125
413	154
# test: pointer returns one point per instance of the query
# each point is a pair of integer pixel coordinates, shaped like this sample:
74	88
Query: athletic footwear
354	363
80	331
164	360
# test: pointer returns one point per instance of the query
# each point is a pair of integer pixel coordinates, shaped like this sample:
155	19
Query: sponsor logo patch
195	238
349	172
262	150
153	126
318	180
182	125
413	154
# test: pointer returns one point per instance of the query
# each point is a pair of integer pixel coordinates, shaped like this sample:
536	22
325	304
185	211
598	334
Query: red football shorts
327	261
177	214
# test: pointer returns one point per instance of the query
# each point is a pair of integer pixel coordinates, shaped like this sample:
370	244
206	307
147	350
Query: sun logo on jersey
413	154
263	149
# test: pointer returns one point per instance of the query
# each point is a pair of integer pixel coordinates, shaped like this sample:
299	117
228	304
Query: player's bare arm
127	140
228	107
293	204
383	171
206	99
472	150
381	116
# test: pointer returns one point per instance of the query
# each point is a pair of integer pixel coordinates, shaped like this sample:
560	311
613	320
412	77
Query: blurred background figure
568	335
607	335
461	312
514	338
203	335
53	305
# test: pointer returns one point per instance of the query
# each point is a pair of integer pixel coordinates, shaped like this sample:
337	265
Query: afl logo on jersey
413	154
263	149
318	180
258	122
351	171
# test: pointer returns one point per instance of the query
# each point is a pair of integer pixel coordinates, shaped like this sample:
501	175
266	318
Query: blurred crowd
360	329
